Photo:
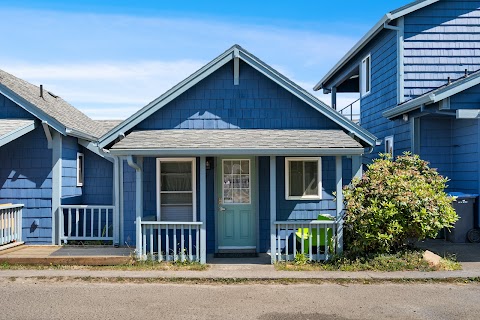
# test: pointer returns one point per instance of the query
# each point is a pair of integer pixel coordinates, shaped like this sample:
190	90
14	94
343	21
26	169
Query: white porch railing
316	239
169	241
10	223
85	222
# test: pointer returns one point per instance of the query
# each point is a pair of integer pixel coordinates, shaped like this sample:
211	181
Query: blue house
45	163
417	74
234	159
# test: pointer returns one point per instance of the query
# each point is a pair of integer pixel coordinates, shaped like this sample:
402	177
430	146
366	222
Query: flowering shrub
395	202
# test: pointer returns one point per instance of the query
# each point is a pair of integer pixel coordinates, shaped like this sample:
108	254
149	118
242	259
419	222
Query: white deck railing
169	241
10	223
85	222
316	239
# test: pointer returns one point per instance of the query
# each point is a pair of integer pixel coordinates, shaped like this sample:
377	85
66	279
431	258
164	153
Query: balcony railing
348	112
169	241
10	223
85	222
316	240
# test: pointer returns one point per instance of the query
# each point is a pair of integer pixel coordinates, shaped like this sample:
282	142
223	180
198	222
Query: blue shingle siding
256	103
70	190
468	99
441	41
26	178
10	110
264	203
402	138
98	183
129	204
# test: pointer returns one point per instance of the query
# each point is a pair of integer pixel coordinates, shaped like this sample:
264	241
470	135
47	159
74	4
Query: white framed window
80	169
303	178
389	145
366	76
176	189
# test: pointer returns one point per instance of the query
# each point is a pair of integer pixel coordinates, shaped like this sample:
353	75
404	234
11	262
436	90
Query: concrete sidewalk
243	271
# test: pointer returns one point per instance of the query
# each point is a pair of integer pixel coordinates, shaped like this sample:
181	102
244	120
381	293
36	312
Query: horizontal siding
468	99
441	41
70	192
98	185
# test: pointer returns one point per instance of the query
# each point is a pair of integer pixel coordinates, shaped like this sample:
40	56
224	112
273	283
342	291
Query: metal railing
347	112
10	223
316	240
86	222
169	241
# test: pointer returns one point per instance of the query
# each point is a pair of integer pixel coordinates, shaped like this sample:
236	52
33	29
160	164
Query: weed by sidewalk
132	266
403	261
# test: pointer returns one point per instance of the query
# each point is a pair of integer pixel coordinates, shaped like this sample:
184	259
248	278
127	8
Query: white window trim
363	92
80	161
390	139
250	182
319	177
194	184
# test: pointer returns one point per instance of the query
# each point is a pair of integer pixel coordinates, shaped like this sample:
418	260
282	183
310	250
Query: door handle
221	209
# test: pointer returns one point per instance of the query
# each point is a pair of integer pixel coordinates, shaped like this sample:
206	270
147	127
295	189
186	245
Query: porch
234	194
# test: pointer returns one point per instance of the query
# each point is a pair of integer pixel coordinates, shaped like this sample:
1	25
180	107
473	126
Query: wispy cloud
106	63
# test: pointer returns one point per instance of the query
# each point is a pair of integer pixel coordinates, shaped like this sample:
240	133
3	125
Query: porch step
236	255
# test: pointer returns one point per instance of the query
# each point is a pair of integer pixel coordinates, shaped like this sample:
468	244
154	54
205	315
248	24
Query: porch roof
11	129
238	141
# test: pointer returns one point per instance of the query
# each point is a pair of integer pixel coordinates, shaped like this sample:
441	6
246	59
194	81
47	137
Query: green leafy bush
394	203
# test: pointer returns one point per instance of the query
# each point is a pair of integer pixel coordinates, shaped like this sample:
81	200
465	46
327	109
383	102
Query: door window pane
236	181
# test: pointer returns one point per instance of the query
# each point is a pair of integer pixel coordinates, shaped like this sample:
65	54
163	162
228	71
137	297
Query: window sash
303	178
365	75
80	169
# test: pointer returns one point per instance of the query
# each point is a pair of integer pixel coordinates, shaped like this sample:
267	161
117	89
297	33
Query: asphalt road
33	299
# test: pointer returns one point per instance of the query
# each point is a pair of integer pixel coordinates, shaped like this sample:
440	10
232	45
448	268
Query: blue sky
109	58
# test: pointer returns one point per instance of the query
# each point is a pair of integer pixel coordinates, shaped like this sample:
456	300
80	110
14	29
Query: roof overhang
12	129
434	96
379	26
237	142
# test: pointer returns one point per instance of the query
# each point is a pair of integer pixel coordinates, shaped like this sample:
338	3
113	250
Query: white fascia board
34	110
235	152
17	133
78	134
165	98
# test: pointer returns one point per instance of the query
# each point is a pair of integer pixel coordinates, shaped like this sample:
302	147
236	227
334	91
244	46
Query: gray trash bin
465	208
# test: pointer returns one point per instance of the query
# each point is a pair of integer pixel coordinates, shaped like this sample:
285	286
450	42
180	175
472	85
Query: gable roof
107	125
58	113
386	19
11	129
236	52
436	95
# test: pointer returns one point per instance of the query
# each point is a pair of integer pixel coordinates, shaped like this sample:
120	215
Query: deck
66	255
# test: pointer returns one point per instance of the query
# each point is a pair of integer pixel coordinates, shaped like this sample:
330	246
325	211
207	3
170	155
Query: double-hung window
366	75
303	178
389	145
80	169
176	194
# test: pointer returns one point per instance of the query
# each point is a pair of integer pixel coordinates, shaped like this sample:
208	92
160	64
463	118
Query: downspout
138	200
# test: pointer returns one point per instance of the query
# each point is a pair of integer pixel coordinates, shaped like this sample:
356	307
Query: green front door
236	203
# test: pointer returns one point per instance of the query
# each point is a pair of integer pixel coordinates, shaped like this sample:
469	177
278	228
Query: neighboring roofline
249	151
233	52
17	133
434	96
395	14
32	109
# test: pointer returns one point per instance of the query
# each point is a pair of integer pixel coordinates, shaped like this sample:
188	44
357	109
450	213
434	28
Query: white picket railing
316	239
10	223
86	222
169	241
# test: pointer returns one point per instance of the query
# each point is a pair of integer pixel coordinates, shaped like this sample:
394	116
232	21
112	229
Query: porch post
56	187
138	166
121	223
116	200
203	210
357	170
273	208
338	174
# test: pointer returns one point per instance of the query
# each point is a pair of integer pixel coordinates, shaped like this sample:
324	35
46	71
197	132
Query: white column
139	204
203	210
273	207
56	185
357	167
121	222
338	176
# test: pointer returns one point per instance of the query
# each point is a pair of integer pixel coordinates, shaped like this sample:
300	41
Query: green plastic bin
306	236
